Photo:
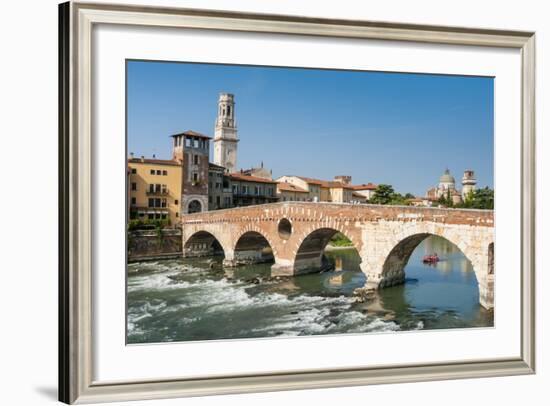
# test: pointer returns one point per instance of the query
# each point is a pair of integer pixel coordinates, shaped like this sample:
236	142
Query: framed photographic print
263	202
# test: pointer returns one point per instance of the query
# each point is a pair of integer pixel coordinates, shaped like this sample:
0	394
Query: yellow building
154	189
287	192
322	190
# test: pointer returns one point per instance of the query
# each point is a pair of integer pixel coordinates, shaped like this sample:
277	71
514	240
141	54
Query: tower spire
225	133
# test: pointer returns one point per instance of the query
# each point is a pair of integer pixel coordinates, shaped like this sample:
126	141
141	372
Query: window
228	110
165	173
175	202
256	190
209	199
134	186
157	216
210	185
152	171
244	190
177	214
195	177
133	200
134	171
196	159
164	189
218	185
218	198
151	216
159	172
156	202
141	214
235	189
188	142
163	216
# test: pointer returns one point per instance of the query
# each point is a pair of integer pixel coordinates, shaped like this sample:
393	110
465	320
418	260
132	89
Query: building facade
312	186
366	191
251	190
220	195
287	192
337	191
192	151
225	134
154	189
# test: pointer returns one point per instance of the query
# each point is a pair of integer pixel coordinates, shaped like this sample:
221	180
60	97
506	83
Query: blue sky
401	129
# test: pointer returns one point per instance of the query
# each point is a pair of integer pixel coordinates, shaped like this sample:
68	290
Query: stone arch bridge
295	234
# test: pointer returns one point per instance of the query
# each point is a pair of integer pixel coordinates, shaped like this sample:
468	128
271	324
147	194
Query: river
187	300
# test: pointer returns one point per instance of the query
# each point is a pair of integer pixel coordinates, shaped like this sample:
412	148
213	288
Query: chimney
142	158
131	155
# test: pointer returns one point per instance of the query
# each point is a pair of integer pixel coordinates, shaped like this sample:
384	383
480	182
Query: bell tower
468	183
225	134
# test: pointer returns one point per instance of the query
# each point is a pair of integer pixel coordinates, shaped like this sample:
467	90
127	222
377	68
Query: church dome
447	177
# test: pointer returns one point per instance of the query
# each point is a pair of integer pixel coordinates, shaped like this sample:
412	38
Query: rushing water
191	299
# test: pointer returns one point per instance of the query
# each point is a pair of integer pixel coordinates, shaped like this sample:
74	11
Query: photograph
270	202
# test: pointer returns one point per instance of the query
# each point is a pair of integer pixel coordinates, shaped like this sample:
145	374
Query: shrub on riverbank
340	240
138	224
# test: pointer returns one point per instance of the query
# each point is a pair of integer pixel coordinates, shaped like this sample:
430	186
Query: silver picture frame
76	21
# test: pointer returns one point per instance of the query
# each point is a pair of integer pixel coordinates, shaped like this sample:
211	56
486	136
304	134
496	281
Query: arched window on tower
229	111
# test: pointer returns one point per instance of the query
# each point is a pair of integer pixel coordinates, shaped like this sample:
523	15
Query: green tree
445	200
479	199
383	194
483	199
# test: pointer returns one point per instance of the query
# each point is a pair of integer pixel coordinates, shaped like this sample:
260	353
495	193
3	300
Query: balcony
157	192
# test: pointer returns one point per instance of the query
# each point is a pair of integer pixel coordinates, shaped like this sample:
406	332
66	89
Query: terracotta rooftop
191	133
153	161
249	178
289	187
325	183
364	186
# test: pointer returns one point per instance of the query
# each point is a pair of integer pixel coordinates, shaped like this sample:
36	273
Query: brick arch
305	232
205	236
398	252
252	228
311	241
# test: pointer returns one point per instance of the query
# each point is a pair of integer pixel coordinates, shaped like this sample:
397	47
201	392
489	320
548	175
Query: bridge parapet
315	211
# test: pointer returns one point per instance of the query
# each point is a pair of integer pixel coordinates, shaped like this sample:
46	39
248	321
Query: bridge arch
393	270
204	243
253	246
476	249
312	244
